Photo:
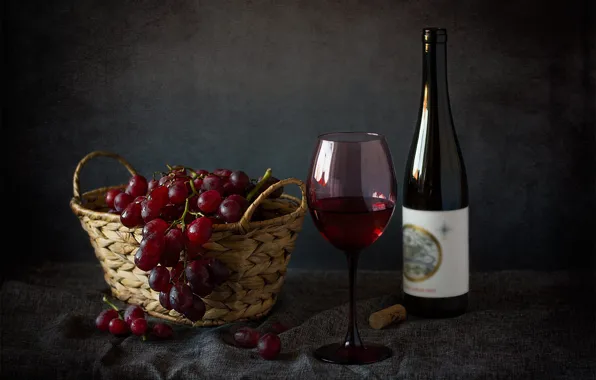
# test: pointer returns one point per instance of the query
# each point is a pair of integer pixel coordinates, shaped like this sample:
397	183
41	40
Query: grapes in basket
177	210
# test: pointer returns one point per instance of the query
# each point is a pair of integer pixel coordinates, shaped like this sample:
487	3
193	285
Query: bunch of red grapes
177	211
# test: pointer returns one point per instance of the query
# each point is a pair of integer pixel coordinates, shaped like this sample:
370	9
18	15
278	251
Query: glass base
339	354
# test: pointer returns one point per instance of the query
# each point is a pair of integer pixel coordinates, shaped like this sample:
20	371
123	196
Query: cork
387	316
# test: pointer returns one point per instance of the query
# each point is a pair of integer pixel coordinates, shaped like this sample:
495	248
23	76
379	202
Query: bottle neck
435	94
435	133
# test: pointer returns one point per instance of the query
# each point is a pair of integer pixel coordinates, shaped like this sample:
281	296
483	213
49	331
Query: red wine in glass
351	192
351	223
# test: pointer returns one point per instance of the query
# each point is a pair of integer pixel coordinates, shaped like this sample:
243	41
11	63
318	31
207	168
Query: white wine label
435	250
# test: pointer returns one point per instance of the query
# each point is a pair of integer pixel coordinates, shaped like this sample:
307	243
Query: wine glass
351	192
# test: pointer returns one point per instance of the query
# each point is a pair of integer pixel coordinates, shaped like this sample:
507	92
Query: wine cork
385	317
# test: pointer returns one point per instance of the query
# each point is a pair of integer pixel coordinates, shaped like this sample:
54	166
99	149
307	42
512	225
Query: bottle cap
434	35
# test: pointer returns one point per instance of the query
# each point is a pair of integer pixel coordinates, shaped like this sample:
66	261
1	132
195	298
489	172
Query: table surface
521	324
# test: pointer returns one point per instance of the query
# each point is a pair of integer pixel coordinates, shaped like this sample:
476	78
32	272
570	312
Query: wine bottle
435	198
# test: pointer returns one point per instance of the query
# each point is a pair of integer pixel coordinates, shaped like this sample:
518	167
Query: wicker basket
256	252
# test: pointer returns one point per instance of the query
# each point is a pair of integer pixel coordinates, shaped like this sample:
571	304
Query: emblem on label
422	253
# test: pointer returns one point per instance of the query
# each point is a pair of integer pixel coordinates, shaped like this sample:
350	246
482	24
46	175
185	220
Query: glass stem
352	337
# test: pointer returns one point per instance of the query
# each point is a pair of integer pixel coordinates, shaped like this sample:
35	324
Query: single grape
153	245
222	172
159	278
156	226
269	346
197	276
144	261
177	192
176	272
139	326
164	297
174	245
241	200
193	203
230	211
246	337
122	200
224	182
110	196
201	284
118	327
202	172
209	201
150	210
229	189
133	312
194	251
197	183
169	258
239	179
199	231
162	330
196	311
212	182
152	185
180	297
268	183
160	196
131	215
218	272
102	321
137	185
171	212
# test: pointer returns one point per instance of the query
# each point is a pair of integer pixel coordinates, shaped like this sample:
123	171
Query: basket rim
80	210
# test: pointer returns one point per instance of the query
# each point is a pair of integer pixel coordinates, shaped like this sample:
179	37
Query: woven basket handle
244	223
84	160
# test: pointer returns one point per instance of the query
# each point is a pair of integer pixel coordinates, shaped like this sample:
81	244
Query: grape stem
172	168
105	299
172	225
192	172
186	168
194	190
259	184
181	219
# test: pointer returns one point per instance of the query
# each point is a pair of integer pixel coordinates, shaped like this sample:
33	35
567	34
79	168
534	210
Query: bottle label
435	250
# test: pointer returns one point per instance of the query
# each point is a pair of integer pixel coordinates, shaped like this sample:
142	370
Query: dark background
250	84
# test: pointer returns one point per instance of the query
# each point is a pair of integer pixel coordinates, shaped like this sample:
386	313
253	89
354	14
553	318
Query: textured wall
250	84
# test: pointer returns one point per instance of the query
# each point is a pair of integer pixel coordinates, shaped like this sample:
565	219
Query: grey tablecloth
520	325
